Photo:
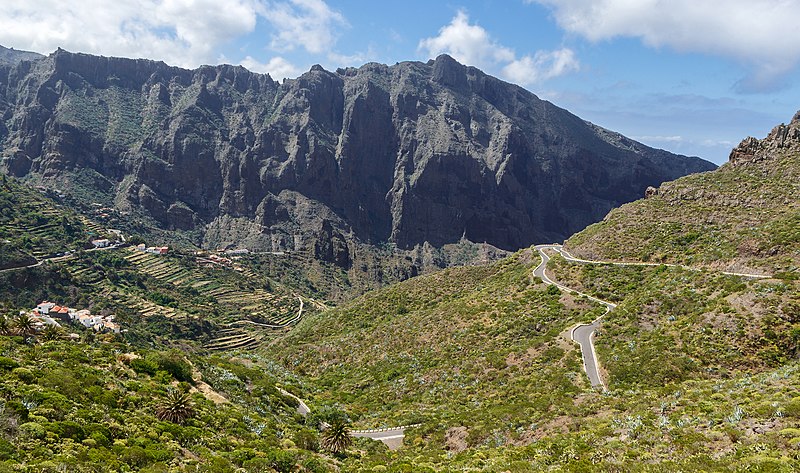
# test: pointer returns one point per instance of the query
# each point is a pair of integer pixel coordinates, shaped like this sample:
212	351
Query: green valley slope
743	216
702	367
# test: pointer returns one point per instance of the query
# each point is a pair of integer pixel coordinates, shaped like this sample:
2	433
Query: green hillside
94	407
480	357
33	226
674	324
469	345
743	216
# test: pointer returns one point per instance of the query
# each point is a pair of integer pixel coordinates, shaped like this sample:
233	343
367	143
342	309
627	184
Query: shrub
143	366
25	375
33	430
792	409
7	363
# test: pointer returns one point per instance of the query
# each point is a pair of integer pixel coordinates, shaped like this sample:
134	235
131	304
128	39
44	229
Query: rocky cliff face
406	154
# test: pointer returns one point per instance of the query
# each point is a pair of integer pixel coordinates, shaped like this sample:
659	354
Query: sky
691	76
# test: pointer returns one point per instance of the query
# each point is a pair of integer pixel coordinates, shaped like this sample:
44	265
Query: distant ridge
13	56
411	154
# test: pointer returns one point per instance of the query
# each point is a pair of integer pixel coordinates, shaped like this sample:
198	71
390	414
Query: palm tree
24	324
177	407
5	327
336	438
51	332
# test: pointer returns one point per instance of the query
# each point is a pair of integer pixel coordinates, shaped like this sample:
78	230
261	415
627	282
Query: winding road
392	437
57	258
583	334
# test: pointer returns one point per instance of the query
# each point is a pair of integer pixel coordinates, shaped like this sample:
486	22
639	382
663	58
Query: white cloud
310	24
541	66
761	33
181	32
472	44
277	67
186	33
659	139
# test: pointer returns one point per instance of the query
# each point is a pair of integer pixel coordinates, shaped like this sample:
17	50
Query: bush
792	409
143	366
306	439
7	363
25	375
7	449
33	430
172	363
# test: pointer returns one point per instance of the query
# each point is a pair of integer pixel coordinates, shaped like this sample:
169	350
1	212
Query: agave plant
177	407
336	437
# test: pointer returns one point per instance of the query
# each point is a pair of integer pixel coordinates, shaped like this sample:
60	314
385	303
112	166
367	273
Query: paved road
573	259
582	334
391	436
59	258
302	407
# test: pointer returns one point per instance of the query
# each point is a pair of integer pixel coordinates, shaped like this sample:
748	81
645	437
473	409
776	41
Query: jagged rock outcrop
752	150
407	154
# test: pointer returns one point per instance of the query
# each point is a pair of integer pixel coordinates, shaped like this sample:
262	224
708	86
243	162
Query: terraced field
160	267
256	305
48	234
234	338
93	228
83	270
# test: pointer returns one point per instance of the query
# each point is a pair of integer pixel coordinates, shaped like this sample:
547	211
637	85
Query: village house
40	321
156	250
102	243
50	313
44	307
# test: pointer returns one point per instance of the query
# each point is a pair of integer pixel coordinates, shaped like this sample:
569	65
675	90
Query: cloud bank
471	44
762	34
185	33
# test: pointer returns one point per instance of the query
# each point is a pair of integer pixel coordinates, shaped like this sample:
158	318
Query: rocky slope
406	154
745	216
13	56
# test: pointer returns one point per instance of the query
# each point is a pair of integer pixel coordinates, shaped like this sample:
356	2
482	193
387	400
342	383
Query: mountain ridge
407	154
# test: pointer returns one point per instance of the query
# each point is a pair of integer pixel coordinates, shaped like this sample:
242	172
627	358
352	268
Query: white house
44	307
89	321
102	243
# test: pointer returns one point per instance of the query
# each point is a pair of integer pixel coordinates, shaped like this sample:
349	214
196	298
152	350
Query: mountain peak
448	71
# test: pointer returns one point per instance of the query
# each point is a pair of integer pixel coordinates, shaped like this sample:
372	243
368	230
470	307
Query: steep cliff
406	154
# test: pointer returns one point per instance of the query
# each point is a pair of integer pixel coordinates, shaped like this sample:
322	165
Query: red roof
56	308
64	310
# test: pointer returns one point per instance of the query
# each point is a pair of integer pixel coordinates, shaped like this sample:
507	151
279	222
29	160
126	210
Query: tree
51	332
5	327
336	438
177	407
24	324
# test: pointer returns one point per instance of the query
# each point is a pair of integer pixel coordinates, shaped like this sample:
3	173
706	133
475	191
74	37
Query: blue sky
691	76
